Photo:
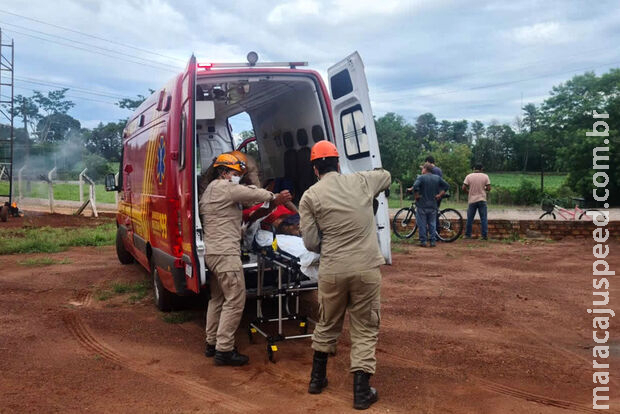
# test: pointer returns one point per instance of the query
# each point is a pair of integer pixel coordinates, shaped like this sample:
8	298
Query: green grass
43	261
177	317
552	181
53	240
139	291
62	191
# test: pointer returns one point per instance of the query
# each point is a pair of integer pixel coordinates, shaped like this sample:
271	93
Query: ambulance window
341	84
182	142
354	133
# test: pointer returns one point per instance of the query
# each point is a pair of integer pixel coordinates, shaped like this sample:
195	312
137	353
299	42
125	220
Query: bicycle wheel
592	214
547	216
450	225
404	224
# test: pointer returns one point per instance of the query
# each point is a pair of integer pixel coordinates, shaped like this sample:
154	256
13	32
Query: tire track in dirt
497	387
92	345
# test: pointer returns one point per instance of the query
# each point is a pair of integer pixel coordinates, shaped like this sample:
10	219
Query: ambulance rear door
192	242
355	134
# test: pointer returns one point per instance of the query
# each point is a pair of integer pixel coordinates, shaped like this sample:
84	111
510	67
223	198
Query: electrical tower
7	90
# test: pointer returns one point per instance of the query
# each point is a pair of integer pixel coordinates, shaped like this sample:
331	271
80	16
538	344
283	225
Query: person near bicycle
428	189
337	221
477	185
435	170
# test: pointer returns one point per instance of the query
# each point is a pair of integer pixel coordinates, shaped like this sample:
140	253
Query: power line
88	50
60	85
74	97
85	44
494	85
92	36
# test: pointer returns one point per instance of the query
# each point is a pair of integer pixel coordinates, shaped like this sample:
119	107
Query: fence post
50	188
116	192
82	185
19	183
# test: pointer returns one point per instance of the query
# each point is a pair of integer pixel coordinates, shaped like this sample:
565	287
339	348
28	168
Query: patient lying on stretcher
263	222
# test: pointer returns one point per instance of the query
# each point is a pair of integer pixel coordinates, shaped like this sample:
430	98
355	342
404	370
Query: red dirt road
466	328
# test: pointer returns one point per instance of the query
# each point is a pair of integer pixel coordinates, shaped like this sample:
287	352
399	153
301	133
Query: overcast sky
459	60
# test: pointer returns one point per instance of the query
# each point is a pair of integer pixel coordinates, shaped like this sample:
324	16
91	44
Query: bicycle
450	223
550	207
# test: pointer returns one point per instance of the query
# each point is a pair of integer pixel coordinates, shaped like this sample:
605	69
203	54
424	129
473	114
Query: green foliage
53	240
97	166
453	159
105	140
527	193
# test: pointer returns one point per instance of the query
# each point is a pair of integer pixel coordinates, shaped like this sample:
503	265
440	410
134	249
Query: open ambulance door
355	134
193	245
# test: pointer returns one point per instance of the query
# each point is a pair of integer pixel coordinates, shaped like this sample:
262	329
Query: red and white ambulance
172	138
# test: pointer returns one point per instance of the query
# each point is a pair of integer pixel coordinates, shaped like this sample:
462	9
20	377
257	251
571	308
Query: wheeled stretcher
297	271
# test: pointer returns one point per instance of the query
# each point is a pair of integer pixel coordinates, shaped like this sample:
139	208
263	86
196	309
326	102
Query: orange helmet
240	156
323	149
229	161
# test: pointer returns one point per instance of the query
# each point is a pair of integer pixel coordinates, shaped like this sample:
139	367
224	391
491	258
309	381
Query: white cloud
293	11
539	33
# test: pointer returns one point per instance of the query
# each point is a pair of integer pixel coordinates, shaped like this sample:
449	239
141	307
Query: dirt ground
467	327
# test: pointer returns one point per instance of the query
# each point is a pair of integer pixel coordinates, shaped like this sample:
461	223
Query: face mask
235	179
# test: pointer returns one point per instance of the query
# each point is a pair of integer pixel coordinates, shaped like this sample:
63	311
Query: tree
530	117
105	140
51	104
453	159
426	129
26	109
56	126
478	130
399	146
133	104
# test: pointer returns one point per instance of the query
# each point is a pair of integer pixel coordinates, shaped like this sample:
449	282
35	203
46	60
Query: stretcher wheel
272	349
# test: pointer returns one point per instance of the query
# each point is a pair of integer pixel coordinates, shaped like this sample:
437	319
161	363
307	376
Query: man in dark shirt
428	189
435	170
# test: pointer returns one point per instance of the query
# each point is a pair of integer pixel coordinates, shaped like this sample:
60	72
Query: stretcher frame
287	265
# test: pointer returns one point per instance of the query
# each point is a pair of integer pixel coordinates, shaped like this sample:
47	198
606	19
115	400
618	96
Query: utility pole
7	110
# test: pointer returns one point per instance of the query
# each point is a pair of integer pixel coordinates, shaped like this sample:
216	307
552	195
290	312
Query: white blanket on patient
293	245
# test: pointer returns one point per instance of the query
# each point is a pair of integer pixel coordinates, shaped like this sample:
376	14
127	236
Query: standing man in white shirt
477	185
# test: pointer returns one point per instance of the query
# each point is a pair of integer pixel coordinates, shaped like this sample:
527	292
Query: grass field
52	240
62	191
512	179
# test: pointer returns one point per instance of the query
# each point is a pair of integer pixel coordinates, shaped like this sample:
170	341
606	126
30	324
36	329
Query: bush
527	193
97	166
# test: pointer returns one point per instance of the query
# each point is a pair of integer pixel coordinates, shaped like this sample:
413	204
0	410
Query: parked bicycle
449	229
551	208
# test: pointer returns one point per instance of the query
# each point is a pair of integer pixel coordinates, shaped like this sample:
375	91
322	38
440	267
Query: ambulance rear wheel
123	255
163	298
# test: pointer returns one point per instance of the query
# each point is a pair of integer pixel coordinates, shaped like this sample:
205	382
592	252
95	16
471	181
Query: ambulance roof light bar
252	63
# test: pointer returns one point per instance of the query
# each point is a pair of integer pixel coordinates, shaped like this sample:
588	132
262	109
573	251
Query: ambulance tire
4	213
164	299
123	255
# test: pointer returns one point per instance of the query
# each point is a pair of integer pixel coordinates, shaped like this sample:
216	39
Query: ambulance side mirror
110	183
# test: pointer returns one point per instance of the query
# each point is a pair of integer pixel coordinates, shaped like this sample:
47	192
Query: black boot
363	394
210	351
318	379
230	358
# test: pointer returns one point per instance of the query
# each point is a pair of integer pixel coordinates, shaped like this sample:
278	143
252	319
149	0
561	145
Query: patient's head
288	225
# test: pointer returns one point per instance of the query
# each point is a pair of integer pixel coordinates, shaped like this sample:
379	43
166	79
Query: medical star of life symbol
161	154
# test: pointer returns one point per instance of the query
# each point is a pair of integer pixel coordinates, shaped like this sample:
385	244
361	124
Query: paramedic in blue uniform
337	221
221	211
